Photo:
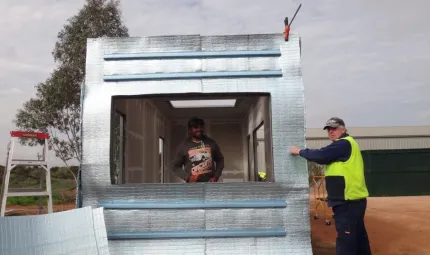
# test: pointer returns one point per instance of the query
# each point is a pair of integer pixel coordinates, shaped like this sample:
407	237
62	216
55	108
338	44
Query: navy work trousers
352	236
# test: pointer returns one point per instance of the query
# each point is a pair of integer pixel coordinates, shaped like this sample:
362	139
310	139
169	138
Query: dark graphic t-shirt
203	159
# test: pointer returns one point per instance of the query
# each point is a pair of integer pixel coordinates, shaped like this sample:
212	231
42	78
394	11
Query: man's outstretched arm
337	151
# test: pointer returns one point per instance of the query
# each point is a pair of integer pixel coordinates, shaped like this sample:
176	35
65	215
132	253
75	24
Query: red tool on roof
287	26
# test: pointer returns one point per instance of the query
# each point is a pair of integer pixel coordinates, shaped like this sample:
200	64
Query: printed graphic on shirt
201	160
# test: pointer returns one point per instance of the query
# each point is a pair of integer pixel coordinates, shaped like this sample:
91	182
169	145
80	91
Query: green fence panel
404	172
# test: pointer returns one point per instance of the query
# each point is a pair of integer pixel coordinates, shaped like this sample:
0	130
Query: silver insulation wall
201	64
81	232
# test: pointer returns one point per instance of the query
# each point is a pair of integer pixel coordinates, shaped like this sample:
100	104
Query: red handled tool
288	25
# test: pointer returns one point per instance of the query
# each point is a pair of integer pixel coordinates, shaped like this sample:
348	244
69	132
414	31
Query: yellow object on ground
262	175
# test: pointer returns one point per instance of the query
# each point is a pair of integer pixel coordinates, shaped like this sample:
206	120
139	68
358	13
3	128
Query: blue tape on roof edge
192	54
192	204
280	232
193	75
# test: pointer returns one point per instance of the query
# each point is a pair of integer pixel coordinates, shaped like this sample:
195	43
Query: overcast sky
366	61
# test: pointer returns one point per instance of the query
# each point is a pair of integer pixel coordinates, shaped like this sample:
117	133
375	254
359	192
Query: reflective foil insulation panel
149	213
81	231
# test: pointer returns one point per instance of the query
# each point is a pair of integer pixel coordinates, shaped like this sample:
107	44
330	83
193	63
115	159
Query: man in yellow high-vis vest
346	186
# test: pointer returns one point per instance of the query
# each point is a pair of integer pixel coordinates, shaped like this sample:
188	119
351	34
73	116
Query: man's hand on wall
294	150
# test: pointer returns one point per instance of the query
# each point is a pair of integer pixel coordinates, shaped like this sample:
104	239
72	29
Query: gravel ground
396	226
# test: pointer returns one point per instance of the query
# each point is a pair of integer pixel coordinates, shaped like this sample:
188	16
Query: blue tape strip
193	75
281	232
192	204
193	54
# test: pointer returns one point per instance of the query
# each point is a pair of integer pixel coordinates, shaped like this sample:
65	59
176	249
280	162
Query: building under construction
137	96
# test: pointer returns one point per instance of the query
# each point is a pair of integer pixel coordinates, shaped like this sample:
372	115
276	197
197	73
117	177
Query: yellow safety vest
345	180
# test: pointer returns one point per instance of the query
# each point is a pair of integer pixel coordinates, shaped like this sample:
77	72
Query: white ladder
12	163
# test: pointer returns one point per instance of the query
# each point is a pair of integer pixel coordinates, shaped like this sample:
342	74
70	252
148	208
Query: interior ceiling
243	104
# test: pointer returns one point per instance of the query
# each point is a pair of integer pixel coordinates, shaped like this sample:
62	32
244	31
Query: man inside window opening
346	186
199	154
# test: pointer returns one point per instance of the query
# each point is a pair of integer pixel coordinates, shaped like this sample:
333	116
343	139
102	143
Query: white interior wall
261	150
178	134
229	136
145	124
259	112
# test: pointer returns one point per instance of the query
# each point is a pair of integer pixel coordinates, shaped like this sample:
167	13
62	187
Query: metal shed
377	138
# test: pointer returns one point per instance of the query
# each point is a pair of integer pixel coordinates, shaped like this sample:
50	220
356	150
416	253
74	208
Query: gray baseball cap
334	122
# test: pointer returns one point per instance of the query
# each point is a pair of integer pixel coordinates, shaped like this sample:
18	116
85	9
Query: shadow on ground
323	251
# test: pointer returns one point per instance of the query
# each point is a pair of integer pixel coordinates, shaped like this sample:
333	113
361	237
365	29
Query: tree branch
56	106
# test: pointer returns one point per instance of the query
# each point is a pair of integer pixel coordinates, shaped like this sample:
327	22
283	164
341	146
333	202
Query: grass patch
61	192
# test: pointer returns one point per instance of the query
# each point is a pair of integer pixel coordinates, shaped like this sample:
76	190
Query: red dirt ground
396	226
33	209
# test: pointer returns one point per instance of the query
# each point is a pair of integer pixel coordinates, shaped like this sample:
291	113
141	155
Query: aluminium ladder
12	163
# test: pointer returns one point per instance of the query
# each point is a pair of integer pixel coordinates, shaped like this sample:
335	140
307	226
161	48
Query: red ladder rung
29	134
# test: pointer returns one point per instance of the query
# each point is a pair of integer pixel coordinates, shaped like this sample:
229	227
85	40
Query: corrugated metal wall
377	138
